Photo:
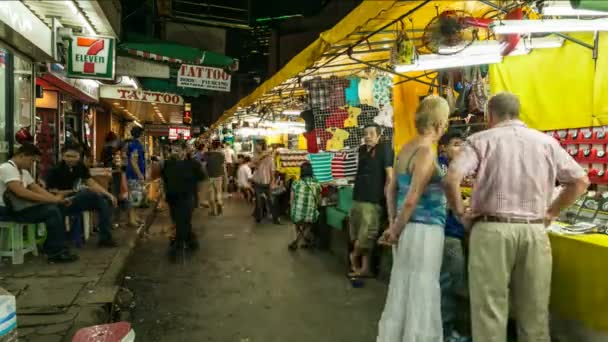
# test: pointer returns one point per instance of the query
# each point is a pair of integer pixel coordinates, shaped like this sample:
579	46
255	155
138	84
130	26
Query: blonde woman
417	211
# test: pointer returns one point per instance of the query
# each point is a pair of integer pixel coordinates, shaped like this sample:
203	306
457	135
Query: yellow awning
326	55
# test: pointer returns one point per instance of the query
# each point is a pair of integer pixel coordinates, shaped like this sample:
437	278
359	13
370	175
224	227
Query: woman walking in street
417	212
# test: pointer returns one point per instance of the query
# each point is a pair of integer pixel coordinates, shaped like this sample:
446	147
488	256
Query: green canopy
163	51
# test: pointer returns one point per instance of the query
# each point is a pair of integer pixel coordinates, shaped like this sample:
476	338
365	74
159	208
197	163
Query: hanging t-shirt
318	92
321	166
311	141
344	164
385	117
382	90
366	87
336	118
336	91
352	92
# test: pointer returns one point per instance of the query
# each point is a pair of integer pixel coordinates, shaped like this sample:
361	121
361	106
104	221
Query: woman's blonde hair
430	112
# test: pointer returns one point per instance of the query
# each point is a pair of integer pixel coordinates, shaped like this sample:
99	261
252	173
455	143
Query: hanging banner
131	94
92	57
127	66
203	77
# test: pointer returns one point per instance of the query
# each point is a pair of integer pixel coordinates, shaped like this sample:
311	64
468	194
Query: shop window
23	99
3	140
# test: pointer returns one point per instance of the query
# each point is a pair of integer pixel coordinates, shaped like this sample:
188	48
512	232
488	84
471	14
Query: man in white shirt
229	160
15	177
243	178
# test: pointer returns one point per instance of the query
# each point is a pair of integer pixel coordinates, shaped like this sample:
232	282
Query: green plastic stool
15	242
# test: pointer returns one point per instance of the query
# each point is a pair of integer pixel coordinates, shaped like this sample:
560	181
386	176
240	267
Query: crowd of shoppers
509	259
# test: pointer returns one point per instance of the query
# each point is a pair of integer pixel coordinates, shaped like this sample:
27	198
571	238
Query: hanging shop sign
175	132
127	66
92	57
131	94
203	77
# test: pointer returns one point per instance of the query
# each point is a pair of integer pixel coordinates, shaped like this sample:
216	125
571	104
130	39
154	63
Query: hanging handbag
14	203
479	93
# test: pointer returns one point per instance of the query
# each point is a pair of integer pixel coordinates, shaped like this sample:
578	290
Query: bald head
503	106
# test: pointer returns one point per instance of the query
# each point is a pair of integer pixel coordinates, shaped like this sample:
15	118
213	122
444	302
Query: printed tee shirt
10	173
352	92
135	147
366	86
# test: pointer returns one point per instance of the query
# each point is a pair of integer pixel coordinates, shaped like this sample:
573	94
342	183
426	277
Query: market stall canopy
361	39
175	53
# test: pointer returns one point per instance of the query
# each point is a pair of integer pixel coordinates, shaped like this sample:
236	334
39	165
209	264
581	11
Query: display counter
579	290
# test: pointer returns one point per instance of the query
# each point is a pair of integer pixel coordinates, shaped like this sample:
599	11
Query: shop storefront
24	40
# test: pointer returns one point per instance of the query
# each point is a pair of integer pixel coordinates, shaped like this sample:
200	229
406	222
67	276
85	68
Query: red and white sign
131	94
203	77
174	133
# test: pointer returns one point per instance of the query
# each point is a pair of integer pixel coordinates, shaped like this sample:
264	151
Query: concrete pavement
244	285
54	300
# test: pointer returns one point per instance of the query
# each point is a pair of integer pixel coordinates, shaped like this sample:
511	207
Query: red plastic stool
115	332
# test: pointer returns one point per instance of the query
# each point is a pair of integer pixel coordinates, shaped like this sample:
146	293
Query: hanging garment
353	117
352	92
322	137
344	164
336	118
311	141
337	97
366	91
318	92
383	86
385	117
309	120
336	143
321	166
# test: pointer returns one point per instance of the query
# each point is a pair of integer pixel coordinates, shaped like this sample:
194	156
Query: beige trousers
510	264
203	193
216	191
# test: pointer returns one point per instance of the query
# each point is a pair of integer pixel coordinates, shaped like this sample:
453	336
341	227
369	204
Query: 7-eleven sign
91	57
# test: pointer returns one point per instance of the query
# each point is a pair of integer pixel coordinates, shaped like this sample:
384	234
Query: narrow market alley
244	285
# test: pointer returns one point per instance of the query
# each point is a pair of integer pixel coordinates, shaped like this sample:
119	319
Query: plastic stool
14	244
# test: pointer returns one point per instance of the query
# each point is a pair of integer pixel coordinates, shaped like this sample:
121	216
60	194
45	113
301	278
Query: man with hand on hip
511	206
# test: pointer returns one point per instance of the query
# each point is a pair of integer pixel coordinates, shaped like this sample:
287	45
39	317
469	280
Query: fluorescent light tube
526	45
563	8
481	47
292	112
548	26
434	62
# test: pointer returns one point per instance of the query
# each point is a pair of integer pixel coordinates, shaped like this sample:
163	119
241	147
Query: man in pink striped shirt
512	204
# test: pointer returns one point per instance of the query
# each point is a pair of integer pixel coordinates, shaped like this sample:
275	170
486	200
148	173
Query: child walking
305	194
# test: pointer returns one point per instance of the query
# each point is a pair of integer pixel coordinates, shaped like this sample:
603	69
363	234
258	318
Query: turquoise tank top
432	205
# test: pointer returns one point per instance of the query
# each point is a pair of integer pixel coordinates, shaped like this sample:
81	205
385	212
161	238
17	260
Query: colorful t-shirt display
366	88
382	90
318	92
344	164
352	92
321	166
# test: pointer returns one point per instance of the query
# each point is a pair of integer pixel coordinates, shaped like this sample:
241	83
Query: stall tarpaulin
558	88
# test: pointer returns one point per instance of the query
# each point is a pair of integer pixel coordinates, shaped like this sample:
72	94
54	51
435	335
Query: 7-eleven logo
90	58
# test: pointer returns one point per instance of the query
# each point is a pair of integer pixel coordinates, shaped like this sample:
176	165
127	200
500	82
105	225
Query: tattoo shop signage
92	57
130	94
203	77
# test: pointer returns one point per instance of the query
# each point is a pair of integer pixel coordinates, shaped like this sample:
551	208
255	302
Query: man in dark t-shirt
180	178
373	175
72	179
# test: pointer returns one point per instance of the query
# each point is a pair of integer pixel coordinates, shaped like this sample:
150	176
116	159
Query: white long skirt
413	305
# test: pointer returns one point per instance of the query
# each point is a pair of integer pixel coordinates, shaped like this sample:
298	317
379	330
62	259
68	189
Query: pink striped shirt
516	170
